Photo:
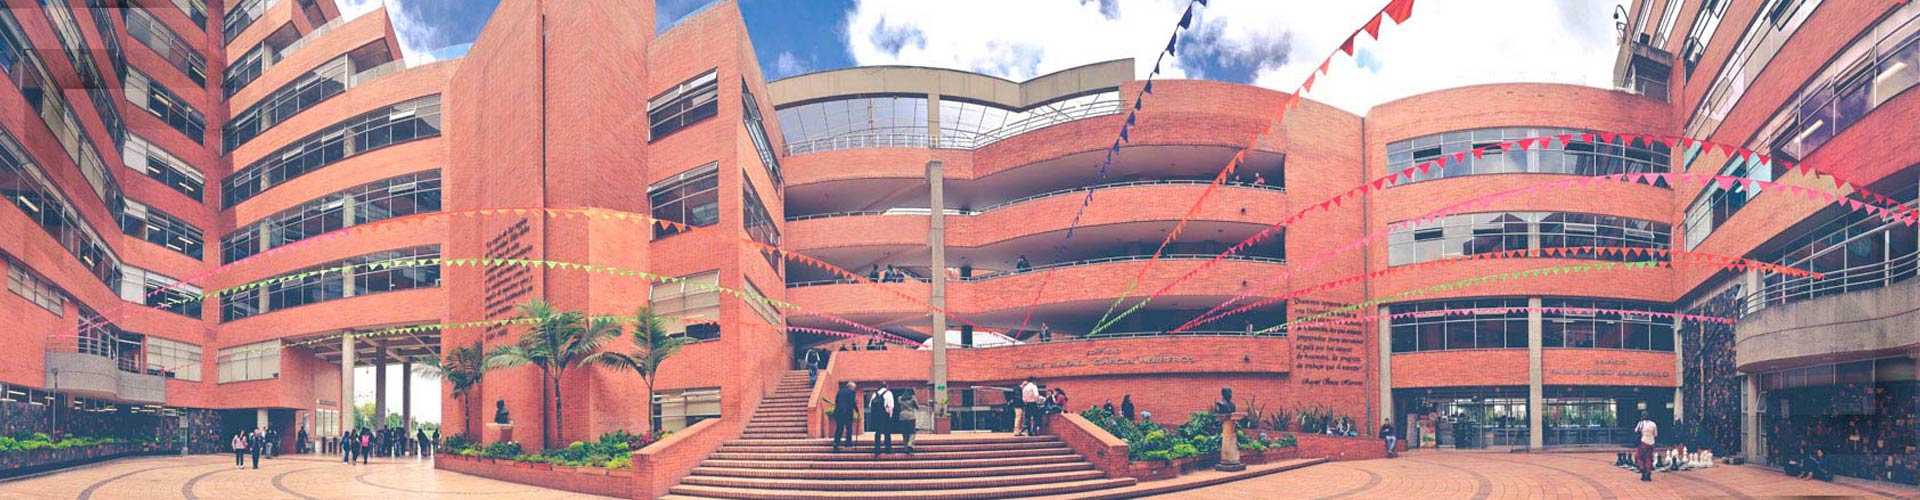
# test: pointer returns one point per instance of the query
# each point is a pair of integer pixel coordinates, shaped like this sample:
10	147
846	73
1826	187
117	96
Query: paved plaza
1423	476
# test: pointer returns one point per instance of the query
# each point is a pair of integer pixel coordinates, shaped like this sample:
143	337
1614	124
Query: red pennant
1399	10
1425	166
1668	141
1725	149
1586	137
1308	86
1373	27
1347	46
1525	143
1477	152
1606	137
1323	65
1565	139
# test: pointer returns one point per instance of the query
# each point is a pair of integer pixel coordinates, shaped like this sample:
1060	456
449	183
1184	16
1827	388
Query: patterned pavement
1493	475
1420	475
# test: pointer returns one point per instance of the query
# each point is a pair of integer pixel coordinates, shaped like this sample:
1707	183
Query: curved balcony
416	306
1654	284
1855	313
875	232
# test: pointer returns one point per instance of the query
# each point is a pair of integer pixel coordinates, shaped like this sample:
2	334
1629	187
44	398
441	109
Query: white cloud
1015	39
1447	43
787	64
415	35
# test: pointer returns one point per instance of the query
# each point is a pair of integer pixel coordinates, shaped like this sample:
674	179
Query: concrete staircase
775	460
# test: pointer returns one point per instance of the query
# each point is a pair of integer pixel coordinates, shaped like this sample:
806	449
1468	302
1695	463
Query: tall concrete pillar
1536	391
406	396
1752	440
346	382
1386	369
936	241
260	420
379	384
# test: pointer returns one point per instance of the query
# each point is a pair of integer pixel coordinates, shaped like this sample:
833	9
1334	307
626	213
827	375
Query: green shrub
501	449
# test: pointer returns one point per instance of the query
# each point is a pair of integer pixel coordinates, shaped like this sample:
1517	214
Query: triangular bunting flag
1373	27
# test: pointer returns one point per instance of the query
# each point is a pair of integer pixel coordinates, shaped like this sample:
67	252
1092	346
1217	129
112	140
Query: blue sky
1270	43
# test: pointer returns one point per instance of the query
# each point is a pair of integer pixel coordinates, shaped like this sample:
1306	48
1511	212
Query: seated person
1815	467
1794	465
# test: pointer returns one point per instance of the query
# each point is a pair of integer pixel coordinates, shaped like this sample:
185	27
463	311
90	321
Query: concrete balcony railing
89	374
1866	316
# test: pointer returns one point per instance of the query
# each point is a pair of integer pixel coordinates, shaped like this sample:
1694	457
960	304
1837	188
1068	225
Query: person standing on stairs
815	360
844	403
880	414
907	418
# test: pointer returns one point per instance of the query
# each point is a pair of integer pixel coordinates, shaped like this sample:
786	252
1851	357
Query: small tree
462	368
652	345
556	342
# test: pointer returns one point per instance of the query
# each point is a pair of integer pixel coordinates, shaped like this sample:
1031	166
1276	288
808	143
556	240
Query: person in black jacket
255	442
1126	407
880	414
844	403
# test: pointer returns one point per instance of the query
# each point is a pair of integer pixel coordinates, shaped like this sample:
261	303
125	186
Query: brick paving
1492	475
1418	475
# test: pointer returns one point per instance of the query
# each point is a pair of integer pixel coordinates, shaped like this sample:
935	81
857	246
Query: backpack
876	405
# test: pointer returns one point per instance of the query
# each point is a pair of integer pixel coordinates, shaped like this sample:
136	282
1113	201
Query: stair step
900	454
694	491
924	440
920	447
801	435
897	485
890	474
892	464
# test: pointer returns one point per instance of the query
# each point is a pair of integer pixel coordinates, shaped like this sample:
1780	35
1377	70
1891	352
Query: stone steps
875	465
889	474
943	455
685	492
924	446
914	484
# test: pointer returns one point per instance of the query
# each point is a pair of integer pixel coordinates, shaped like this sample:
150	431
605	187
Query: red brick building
211	146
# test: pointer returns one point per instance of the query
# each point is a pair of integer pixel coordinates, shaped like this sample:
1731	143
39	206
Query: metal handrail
1857	278
1130	335
1086	262
1123	258
977	140
317	32
1049	194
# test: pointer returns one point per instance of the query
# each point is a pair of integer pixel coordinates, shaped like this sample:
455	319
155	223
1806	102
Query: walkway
304	477
1494	475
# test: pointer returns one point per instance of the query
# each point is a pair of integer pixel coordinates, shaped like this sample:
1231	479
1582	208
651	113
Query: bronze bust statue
500	412
1225	405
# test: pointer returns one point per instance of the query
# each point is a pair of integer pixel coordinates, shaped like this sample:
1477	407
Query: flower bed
37	452
590	480
1155	452
614	450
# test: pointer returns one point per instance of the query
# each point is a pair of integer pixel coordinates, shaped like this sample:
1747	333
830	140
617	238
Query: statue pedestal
496	433
1229	445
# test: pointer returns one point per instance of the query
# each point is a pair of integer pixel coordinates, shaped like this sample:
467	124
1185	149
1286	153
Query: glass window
169	170
142	26
759	224
1553	156
1853	250
688	301
1581	324
1705	22
757	131
685	104
256	361
173	359
26	186
1495	324
1756	49
1715	205
409	120
141	286
691	198
318	84
371	202
147	94
857	122
35	289
761	307
242	15
159	228
675	410
1484	233
392	270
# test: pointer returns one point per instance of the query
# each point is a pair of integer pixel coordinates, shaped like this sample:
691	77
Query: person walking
273	443
815	360
420	439
1126	406
259	440
906	415
844	404
240	450
1030	399
345	448
301	444
1644	456
1387	434
880	414
366	445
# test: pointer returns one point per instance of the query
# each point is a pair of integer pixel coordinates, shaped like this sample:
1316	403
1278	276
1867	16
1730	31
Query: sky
1270	43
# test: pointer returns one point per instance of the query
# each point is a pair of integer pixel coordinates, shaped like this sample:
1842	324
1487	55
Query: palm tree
462	368
556	342
652	346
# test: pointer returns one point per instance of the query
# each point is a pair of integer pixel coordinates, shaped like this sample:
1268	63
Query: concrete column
1536	392
937	243
260	420
406	396
1386	369
346	382
379	384
1679	368
1753	441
